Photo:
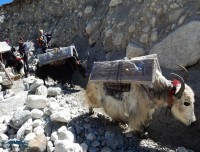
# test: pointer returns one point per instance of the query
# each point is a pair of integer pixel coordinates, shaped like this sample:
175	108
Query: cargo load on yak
7	57
120	74
57	55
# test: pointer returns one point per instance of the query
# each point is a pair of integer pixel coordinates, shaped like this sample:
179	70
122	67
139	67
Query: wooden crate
141	70
56	54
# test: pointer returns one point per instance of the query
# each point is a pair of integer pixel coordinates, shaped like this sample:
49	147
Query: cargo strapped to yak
56	55
120	74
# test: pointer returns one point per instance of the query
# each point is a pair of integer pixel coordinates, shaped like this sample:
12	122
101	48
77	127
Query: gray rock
133	50
66	146
61	116
36	113
38	143
115	2
112	142
20	117
36	84
118	39
179	47
36	101
88	9
54	91
41	90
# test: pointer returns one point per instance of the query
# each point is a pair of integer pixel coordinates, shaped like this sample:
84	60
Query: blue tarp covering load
56	54
137	70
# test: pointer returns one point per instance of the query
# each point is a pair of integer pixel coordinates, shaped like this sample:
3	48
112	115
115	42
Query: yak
137	106
10	60
61	72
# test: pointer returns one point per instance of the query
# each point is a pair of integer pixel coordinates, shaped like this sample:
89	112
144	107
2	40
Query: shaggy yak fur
61	72
137	106
11	60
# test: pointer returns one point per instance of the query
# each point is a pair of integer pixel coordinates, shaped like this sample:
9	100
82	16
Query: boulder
180	47
36	101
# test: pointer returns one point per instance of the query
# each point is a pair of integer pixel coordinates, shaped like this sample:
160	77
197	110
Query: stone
108	33
84	147
66	135
66	146
36	84
118	39
54	91
181	149
112	143
88	10
36	101
53	106
41	90
3	137
91	136
36	113
38	130
144	38
133	50
54	136
29	137
173	16
20	117
131	28
38	143
37	123
50	147
24	129
61	116
115	2
3	128
94	37
154	36
91	26
180	47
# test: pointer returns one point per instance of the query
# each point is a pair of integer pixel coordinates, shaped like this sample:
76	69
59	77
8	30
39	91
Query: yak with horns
137	106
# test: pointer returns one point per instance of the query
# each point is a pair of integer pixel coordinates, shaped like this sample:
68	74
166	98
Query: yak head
182	100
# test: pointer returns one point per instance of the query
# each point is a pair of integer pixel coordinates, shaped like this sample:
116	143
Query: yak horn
185	76
180	92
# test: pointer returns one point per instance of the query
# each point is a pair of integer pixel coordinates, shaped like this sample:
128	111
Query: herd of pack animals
135	107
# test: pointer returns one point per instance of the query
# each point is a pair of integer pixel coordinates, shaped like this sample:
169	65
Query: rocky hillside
169	28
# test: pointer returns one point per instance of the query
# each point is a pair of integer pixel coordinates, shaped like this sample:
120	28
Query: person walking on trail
42	42
23	50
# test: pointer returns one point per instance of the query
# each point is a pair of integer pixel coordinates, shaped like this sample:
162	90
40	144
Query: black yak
10	60
61	72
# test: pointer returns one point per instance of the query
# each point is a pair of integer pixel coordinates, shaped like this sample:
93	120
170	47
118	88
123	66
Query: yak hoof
142	135
91	111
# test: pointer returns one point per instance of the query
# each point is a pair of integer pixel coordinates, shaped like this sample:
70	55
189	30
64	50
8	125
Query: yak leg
91	111
71	84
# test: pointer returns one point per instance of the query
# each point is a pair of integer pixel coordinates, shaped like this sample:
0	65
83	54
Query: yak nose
193	123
